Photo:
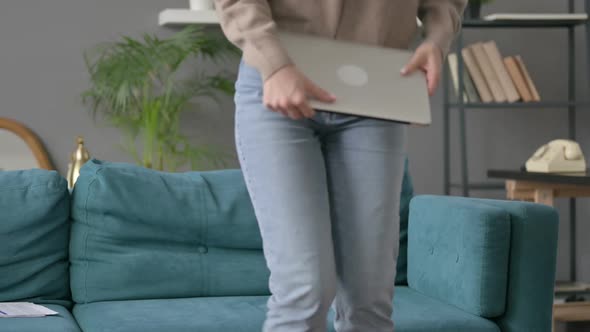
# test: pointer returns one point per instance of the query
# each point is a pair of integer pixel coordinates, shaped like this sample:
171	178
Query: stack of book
491	78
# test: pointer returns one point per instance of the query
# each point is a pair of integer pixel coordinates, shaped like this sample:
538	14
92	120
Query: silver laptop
365	79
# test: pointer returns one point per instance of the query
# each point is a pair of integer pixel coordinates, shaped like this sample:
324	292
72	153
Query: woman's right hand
287	92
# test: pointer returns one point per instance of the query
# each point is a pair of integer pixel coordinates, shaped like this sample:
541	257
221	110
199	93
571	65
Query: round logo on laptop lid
353	75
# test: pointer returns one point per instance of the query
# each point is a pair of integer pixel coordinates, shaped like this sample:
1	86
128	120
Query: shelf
180	17
541	104
480	186
525	23
171	17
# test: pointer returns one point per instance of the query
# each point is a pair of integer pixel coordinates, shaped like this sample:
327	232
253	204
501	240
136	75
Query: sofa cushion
413	313
63	322
34	235
143	234
203	314
459	252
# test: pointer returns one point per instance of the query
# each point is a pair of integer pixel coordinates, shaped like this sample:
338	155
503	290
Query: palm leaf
134	86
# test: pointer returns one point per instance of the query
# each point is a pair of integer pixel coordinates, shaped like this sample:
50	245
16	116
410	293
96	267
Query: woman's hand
287	90
427	58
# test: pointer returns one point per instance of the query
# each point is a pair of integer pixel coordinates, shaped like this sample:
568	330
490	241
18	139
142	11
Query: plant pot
201	4
473	11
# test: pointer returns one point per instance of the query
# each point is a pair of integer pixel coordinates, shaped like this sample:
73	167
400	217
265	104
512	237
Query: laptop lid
365	79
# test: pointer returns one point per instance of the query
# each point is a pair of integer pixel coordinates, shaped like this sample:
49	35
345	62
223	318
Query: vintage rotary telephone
558	156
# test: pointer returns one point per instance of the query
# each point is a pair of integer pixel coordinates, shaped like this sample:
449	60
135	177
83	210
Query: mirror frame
32	141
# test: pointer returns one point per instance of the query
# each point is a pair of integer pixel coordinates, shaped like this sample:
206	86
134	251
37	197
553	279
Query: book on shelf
518	79
469	92
454	70
470	88
491	77
489	74
528	79
493	53
477	76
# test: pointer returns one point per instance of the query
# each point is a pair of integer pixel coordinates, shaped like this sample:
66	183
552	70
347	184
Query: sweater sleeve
249	25
442	20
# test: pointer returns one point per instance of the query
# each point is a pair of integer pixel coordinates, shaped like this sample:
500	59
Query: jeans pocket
248	78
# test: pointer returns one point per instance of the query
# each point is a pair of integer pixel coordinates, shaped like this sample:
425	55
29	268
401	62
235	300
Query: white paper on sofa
24	310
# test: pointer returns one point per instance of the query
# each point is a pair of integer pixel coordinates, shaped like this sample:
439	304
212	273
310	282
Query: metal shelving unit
571	105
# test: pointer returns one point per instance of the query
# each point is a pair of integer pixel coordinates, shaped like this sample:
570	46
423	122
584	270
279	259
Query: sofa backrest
34	234
143	234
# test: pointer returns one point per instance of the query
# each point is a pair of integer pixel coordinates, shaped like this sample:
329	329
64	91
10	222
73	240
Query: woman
325	187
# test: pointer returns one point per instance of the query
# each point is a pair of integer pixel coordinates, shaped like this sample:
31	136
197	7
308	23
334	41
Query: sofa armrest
458	253
533	256
508	251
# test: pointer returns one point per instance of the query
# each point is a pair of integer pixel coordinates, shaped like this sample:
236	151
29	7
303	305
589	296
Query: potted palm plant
135	85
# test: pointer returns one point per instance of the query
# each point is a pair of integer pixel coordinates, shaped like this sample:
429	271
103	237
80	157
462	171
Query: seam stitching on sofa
200	243
507	256
203	230
508	269
482	301
206	237
525	216
56	188
87	236
136	173
481	285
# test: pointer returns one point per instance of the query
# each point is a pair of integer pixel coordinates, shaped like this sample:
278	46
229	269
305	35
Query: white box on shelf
170	17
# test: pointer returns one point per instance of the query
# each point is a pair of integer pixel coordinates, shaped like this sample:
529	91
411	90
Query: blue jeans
326	194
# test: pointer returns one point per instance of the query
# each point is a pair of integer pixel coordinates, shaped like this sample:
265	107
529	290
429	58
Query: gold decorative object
79	157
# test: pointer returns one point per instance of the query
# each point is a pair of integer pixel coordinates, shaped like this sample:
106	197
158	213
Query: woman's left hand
427	58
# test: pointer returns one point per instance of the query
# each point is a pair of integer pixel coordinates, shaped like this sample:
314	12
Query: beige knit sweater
251	24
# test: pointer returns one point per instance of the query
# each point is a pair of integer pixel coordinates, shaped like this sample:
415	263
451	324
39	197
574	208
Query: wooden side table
544	192
543	188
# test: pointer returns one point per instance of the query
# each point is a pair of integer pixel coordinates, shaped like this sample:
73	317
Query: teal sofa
135	250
